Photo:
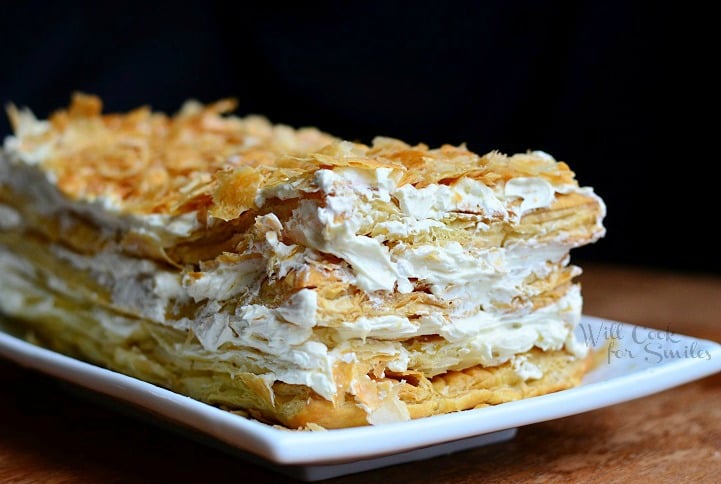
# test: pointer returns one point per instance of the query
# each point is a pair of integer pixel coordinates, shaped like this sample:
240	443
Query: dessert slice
295	277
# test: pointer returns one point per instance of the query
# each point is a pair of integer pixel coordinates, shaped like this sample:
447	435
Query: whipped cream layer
280	342
369	221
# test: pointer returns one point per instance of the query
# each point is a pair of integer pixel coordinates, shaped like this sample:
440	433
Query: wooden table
48	435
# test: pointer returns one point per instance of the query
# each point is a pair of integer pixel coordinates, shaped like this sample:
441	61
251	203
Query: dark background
626	94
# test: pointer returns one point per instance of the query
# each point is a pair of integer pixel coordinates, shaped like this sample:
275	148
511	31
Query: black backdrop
627	95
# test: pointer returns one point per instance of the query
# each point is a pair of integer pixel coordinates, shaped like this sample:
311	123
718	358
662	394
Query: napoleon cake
286	274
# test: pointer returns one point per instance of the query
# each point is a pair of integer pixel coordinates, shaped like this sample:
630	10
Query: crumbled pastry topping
145	162
204	160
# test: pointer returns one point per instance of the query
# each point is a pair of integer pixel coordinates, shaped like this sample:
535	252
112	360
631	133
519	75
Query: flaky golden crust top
201	159
148	162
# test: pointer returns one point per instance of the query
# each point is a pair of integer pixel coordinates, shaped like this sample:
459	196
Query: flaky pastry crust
115	256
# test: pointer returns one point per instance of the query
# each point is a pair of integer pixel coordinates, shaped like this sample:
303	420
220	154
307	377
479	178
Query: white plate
637	362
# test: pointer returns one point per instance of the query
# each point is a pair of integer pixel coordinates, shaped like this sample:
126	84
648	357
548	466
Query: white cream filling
435	201
9	218
326	230
535	193
485	338
525	369
226	281
337	225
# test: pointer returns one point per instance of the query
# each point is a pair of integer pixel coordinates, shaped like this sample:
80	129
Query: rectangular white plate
637	362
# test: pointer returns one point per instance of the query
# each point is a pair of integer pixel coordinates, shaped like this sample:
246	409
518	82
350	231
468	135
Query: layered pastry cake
289	275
